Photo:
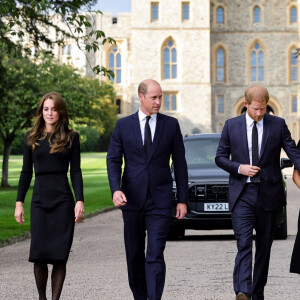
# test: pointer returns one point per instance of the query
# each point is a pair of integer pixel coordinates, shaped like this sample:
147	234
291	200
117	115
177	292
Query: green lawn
96	192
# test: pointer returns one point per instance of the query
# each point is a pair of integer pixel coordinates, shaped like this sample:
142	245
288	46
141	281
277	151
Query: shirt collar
142	116
249	120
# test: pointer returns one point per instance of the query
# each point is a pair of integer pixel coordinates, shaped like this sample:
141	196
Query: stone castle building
205	54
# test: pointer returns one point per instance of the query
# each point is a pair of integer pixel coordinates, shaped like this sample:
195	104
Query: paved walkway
198	267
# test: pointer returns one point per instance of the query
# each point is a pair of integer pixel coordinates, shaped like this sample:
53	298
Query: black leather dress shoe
242	296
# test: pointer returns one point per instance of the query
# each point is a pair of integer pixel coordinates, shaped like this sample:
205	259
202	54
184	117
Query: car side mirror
285	163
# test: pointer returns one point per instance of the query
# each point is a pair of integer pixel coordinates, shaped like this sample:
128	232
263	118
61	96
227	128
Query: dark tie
254	150
147	137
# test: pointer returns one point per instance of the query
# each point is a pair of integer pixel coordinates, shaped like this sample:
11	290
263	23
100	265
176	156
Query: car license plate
216	207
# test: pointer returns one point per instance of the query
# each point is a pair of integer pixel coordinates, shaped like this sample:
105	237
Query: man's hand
19	213
249	170
119	199
181	211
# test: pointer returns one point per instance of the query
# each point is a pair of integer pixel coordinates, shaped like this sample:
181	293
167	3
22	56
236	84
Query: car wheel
281	231
175	232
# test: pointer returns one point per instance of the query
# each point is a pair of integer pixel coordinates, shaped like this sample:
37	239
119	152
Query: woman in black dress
51	147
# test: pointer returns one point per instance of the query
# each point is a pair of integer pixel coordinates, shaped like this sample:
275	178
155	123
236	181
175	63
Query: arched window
119	106
114	64
220	15
293	14
294	104
257	63
293	65
170	101
220	65
154	11
185	11
256	14
169	60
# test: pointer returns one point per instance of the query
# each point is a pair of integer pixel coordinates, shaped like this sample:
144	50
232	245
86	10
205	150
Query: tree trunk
6	152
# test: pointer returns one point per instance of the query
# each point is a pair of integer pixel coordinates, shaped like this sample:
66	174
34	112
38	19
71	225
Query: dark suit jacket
142	173
234	142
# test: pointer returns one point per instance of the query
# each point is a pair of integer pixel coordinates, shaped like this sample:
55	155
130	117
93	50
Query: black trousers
247	215
146	272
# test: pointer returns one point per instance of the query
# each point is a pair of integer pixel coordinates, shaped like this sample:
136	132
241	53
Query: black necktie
254	150
147	137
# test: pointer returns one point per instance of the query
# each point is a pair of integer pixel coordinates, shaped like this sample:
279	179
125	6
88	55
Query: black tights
57	279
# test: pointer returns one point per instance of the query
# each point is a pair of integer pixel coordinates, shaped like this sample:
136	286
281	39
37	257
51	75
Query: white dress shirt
152	124
260	128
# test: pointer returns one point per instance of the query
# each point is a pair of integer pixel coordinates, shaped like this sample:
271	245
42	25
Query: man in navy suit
146	140
249	150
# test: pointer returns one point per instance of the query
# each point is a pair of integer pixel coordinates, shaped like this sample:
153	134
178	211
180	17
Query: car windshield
201	152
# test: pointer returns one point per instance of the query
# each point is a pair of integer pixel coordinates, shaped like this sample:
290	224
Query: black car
208	190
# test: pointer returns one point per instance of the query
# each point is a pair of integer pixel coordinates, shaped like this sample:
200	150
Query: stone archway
274	107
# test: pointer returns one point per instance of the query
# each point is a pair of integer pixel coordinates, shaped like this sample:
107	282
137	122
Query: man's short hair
259	93
143	88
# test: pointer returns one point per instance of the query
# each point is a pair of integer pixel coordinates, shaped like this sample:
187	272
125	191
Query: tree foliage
24	22
24	82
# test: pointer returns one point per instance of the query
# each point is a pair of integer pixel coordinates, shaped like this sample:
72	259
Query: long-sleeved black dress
52	204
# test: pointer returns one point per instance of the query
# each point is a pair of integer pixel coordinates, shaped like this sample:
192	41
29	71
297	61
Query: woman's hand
79	211
19	213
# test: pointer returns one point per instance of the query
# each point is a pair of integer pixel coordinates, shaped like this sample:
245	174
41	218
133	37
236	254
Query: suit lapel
157	134
244	137
266	131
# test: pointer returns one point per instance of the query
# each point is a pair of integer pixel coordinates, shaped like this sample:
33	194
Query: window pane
293	58
170	43
253	58
166	55
111	61
115	49
256	15
167	71
260	58
293	15
253	74
70	50
294	74
64	50
220	15
167	102
294	104
220	104
118	60
118	76
186	11
174	71
174	105
155	12
111	79
220	58
118	103
174	58
260	74
220	74
257	46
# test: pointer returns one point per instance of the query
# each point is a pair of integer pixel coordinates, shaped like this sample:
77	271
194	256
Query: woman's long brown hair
60	136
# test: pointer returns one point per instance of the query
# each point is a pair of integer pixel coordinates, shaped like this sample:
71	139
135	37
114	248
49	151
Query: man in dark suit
146	140
249	150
